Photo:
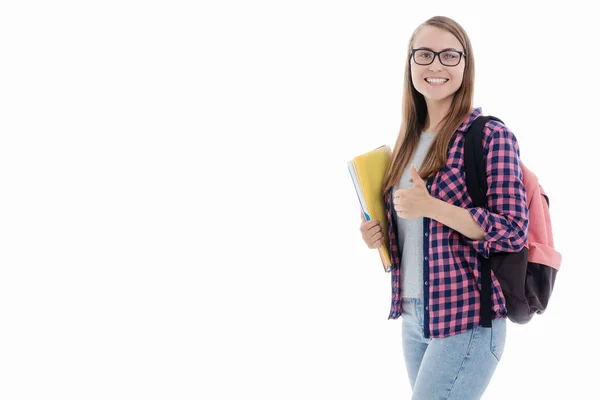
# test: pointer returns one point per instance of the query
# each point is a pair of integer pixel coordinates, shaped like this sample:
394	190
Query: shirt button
428	186
426	283
427	308
426	233
426	257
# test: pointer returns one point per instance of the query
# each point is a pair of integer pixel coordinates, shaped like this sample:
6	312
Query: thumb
415	175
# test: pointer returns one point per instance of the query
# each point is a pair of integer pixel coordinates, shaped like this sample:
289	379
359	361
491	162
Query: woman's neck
436	111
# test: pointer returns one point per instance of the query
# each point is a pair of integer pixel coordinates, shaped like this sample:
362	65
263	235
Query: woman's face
436	81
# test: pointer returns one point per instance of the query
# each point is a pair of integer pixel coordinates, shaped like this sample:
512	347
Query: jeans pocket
498	337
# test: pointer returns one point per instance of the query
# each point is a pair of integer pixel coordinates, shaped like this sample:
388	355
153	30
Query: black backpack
526	277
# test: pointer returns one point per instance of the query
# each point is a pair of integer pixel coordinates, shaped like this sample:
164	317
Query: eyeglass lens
448	57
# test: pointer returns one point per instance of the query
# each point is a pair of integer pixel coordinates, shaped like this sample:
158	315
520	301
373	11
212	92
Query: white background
176	215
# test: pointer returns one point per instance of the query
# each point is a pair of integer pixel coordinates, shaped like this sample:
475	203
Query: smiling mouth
436	81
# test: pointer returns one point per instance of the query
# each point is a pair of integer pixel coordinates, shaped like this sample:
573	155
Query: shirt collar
464	126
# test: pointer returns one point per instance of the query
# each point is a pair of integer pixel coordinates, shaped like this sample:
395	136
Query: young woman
436	235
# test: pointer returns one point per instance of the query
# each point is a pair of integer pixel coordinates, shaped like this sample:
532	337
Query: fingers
376	245
366	225
399	196
372	233
374	228
401	201
376	240
399	207
369	234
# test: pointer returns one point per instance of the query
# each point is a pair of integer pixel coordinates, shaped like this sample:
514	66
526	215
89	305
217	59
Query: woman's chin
436	97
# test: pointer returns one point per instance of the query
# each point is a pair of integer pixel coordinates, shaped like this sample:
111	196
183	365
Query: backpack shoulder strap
477	187
474	162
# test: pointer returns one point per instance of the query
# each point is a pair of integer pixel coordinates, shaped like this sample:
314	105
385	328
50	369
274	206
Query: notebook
367	171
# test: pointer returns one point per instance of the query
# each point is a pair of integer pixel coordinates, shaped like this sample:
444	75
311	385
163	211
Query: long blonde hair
414	112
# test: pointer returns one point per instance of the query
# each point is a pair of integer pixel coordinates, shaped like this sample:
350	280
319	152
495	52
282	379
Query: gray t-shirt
410	231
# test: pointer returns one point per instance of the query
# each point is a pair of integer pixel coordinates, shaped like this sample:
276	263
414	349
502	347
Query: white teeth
436	80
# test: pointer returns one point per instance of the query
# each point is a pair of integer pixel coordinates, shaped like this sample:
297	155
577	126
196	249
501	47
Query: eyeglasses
449	58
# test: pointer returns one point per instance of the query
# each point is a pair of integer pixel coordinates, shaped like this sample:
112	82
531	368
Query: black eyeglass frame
438	54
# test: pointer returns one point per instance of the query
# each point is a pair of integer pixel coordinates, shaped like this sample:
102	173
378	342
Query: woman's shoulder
500	141
496	131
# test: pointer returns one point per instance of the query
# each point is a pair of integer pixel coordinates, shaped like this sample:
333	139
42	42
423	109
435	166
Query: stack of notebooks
367	172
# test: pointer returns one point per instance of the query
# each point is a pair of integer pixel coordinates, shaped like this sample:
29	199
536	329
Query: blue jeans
456	367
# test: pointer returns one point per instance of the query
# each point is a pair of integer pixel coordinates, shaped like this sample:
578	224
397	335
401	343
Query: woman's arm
505	219
457	218
502	226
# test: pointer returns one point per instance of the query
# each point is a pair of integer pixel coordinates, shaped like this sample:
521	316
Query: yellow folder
367	172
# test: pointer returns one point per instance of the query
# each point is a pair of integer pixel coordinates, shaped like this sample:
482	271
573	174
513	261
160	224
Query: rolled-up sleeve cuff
482	246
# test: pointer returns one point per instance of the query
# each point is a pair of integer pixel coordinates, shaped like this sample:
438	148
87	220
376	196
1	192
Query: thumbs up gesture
414	202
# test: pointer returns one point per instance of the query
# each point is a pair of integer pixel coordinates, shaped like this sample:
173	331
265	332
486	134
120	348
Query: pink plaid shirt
451	265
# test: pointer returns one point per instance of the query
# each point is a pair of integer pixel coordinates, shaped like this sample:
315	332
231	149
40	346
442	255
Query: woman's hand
414	202
371	232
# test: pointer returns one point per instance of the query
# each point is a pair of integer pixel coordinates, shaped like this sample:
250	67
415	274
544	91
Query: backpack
526	277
